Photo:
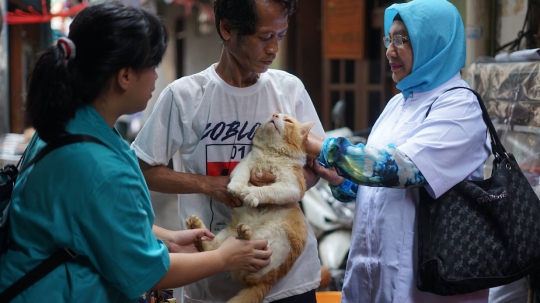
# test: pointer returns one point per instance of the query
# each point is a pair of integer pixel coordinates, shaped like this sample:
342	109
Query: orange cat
270	212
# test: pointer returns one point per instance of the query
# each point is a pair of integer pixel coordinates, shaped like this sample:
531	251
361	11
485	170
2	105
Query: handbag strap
57	143
497	148
38	272
61	255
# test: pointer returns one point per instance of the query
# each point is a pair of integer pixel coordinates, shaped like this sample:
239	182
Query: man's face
255	53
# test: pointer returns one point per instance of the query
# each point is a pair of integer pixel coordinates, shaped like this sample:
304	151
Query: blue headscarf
437	39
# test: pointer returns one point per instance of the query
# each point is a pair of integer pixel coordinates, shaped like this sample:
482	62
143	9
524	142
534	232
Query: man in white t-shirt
208	121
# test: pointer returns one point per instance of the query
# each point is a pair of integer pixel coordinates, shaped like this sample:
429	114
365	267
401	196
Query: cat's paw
244	232
235	188
193	222
249	197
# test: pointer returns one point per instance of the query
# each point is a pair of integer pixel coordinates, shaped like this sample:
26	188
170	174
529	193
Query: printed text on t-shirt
225	131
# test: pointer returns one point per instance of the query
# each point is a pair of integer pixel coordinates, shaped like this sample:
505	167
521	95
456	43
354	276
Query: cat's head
281	131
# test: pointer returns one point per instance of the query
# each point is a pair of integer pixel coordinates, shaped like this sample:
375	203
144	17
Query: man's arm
165	180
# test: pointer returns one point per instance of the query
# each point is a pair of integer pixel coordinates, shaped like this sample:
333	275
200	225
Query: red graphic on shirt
221	159
216	169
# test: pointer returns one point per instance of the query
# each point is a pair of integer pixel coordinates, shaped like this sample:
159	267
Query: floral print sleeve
346	192
385	167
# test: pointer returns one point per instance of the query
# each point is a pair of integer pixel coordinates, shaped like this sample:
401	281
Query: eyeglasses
396	39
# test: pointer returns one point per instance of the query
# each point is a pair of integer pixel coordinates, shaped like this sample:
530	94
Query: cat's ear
305	128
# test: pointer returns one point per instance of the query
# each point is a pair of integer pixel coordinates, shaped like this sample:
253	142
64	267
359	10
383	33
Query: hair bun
67	47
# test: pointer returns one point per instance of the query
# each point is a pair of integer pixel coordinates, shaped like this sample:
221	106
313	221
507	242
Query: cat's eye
287	120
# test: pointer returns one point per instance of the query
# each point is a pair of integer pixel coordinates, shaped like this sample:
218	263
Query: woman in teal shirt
92	198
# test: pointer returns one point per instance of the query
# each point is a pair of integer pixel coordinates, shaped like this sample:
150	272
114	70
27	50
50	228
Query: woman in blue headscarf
420	139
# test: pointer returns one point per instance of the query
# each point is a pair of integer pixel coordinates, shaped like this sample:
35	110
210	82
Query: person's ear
124	77
225	30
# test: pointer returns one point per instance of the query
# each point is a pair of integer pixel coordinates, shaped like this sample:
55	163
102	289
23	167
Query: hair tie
68	48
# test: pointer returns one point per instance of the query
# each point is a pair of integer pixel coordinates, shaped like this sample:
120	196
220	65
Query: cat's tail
252	294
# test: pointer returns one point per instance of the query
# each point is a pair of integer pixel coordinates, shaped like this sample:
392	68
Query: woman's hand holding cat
328	174
250	255
184	241
313	146
310	175
216	188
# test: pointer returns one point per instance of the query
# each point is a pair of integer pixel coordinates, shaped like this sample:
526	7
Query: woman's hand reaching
313	146
182	241
232	254
250	255
328	174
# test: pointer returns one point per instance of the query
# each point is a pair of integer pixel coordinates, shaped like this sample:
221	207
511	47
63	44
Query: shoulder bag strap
61	255
496	146
59	142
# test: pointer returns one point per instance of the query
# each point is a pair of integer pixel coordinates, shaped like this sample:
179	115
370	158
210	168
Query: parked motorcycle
331	222
330	219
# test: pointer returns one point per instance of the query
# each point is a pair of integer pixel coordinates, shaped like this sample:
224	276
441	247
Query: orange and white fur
271	212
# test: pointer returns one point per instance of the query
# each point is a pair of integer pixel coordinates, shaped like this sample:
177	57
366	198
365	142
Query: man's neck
233	74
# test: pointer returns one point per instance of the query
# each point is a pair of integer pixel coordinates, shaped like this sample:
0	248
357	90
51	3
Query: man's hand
216	188
266	178
261	179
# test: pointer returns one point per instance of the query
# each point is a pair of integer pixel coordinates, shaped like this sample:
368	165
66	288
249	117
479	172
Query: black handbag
479	234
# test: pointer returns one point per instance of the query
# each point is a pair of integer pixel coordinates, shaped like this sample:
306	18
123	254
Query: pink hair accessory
68	48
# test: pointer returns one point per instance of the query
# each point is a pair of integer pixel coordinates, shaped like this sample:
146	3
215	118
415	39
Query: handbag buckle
508	166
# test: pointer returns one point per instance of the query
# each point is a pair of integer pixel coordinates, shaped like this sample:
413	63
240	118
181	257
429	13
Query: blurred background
335	47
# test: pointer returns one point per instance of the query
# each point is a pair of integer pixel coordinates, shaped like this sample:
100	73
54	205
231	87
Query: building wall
511	17
199	52
490	24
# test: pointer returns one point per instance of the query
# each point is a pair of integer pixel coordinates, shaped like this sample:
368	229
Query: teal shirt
93	200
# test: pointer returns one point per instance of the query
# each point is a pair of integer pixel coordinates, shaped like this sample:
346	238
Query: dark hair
397	17
107	37
242	14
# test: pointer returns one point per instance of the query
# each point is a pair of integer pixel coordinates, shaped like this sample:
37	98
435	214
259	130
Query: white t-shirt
446	148
210	125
